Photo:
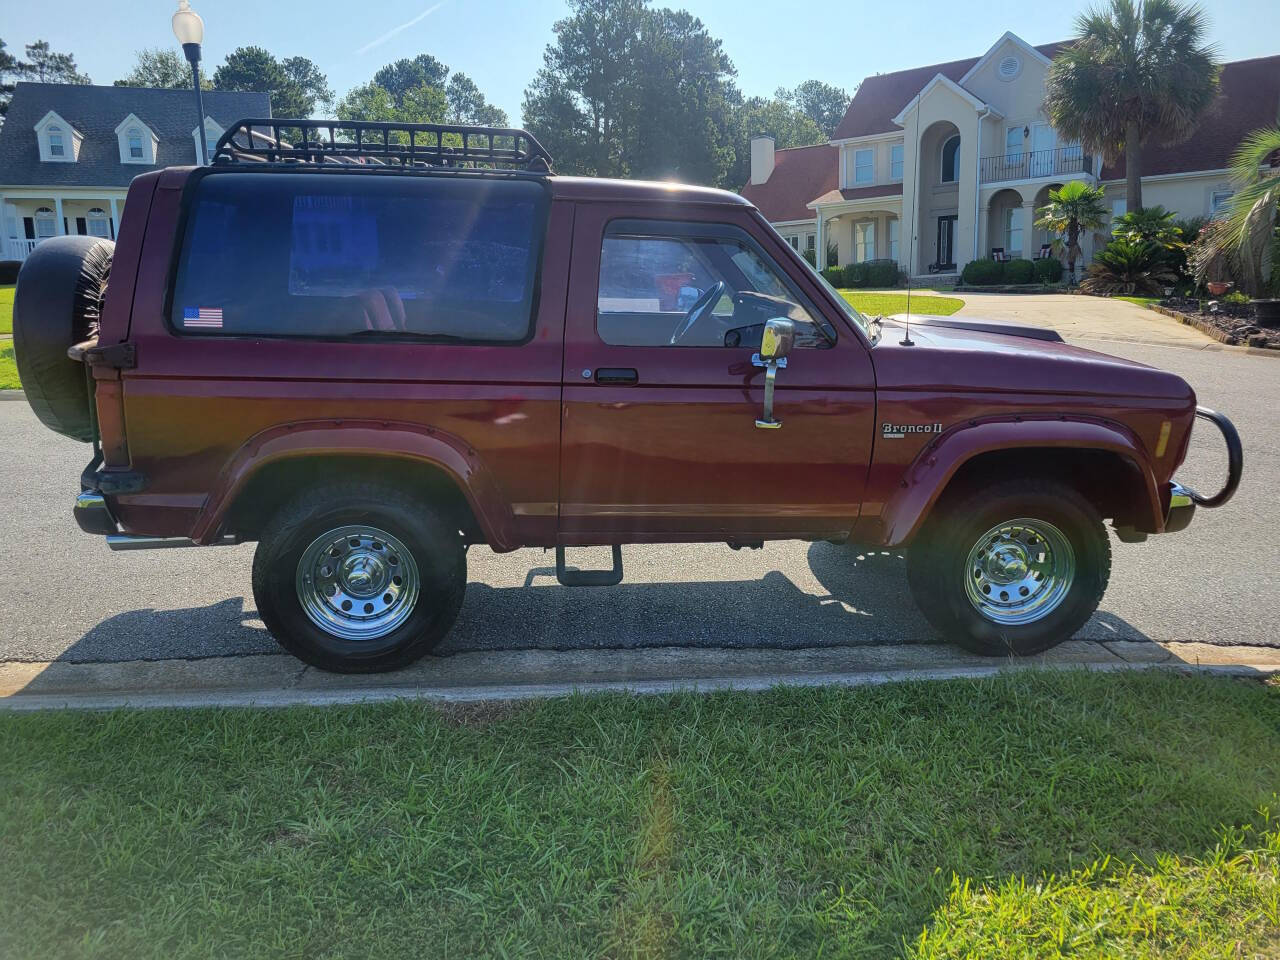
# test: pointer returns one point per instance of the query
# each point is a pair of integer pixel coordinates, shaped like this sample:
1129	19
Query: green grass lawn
873	302
8	367
6	308
925	820
1140	301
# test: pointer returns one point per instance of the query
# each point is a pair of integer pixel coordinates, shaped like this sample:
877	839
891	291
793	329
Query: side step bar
589	578
121	541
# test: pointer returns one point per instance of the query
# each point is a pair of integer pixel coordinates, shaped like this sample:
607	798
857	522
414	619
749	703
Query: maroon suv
370	346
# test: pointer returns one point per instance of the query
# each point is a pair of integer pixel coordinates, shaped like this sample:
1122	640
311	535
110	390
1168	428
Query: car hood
971	354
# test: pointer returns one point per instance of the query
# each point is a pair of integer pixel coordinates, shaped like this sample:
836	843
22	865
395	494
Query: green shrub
1019	271
1048	270
1127	267
834	276
810	257
1236	297
9	271
983	271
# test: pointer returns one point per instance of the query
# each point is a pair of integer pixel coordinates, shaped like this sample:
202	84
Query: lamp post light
189	29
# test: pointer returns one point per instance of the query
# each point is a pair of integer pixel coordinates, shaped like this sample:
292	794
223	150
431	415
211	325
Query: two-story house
68	152
963	152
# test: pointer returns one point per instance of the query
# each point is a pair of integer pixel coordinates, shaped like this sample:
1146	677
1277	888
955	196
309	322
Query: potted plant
1219	287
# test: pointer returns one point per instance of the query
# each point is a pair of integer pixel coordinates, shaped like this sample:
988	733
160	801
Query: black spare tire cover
56	305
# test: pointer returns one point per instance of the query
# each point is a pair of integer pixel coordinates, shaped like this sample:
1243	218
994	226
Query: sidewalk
280	680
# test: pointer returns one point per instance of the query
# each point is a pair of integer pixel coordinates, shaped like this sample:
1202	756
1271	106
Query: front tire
359	577
1011	569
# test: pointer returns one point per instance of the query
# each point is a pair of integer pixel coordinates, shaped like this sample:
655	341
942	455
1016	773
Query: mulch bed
1223	327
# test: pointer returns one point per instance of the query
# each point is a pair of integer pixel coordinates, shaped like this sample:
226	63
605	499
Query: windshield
850	312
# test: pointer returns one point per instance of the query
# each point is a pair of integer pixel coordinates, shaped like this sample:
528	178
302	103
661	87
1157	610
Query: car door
659	438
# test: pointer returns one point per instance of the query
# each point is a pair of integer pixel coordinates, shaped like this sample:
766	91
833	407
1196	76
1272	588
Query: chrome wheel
357	582
1019	572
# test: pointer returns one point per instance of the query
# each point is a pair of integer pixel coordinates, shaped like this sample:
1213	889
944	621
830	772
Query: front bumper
1183	500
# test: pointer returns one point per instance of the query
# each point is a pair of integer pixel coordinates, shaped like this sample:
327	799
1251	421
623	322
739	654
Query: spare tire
57	304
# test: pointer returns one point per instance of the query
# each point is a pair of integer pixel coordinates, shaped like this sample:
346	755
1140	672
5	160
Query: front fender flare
372	438
937	463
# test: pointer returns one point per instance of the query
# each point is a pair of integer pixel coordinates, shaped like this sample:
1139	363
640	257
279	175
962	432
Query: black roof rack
375	144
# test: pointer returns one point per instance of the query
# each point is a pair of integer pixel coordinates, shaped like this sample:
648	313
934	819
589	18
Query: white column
115	219
58	225
820	241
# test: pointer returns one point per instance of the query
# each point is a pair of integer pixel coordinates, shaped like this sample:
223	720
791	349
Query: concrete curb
13	395
273	680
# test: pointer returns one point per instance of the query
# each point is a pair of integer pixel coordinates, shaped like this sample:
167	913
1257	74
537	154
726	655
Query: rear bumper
93	515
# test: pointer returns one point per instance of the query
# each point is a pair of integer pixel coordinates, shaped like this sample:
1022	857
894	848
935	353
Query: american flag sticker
202	318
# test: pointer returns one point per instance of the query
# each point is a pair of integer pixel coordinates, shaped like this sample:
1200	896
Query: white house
68	152
963	151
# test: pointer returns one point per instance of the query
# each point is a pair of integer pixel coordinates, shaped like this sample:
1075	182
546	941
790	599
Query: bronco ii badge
896	431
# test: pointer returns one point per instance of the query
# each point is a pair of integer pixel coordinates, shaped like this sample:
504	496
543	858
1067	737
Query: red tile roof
861	193
799	175
1248	98
881	98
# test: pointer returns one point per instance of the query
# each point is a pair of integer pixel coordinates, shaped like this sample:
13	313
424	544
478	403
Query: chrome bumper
1183	500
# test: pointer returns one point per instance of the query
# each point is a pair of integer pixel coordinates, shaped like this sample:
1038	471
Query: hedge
988	272
871	273
9	271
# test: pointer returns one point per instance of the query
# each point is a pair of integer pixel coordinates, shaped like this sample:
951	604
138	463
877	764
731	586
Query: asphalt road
64	595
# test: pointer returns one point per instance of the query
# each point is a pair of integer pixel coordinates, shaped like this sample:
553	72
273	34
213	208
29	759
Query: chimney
761	158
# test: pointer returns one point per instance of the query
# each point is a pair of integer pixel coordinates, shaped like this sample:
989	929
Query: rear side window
306	255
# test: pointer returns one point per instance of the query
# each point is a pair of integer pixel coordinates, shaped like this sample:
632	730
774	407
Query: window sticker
202	318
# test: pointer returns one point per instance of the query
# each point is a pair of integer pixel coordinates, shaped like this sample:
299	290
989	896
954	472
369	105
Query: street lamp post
189	29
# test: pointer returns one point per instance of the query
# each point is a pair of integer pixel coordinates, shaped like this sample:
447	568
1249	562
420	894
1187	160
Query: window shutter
82	226
29	227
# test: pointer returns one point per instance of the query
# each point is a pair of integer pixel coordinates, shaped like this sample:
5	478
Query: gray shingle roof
96	112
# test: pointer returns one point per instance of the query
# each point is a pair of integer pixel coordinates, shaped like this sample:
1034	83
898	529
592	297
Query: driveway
64	595
1086	318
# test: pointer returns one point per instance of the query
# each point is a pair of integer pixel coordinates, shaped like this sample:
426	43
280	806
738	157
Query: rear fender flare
928	475
375	439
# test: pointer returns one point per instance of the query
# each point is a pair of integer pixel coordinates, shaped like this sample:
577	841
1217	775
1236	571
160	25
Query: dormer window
59	141
137	142
212	131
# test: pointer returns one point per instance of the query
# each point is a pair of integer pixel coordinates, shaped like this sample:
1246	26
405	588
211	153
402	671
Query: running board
589	578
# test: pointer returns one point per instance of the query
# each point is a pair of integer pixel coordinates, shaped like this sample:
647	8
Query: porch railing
1030	165
18	249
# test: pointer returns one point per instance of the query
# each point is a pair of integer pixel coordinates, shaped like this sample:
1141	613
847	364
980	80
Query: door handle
617	375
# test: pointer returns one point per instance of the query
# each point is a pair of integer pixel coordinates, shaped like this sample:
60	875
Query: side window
289	255
654	287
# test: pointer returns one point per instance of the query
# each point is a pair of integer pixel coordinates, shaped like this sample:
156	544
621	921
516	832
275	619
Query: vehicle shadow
857	597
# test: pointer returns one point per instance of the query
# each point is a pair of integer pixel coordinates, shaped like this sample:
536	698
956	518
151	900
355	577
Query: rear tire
1012	569
359	577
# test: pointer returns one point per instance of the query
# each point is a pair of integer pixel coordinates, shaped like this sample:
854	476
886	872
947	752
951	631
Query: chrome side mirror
775	343
778	339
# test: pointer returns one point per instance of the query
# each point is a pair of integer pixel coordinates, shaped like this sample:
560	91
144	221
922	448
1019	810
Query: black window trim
541	225
712	230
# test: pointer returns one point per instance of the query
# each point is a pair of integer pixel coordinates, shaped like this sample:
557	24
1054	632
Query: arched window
56	146
951	159
97	221
135	143
46	225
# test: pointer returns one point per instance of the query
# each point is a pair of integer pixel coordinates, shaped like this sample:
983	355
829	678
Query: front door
946	241
1044	139
659	438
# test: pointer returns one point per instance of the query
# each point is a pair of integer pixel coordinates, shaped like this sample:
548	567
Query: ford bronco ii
369	347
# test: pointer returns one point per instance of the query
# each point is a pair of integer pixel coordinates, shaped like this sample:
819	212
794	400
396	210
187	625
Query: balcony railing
1033	164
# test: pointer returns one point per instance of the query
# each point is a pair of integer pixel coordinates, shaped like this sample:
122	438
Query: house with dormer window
68	152
936	166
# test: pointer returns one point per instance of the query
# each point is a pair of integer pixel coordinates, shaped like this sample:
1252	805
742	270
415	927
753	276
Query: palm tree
1135	73
1073	207
1246	236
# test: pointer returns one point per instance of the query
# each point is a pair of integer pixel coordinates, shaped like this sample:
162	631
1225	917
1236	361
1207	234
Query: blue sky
499	43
